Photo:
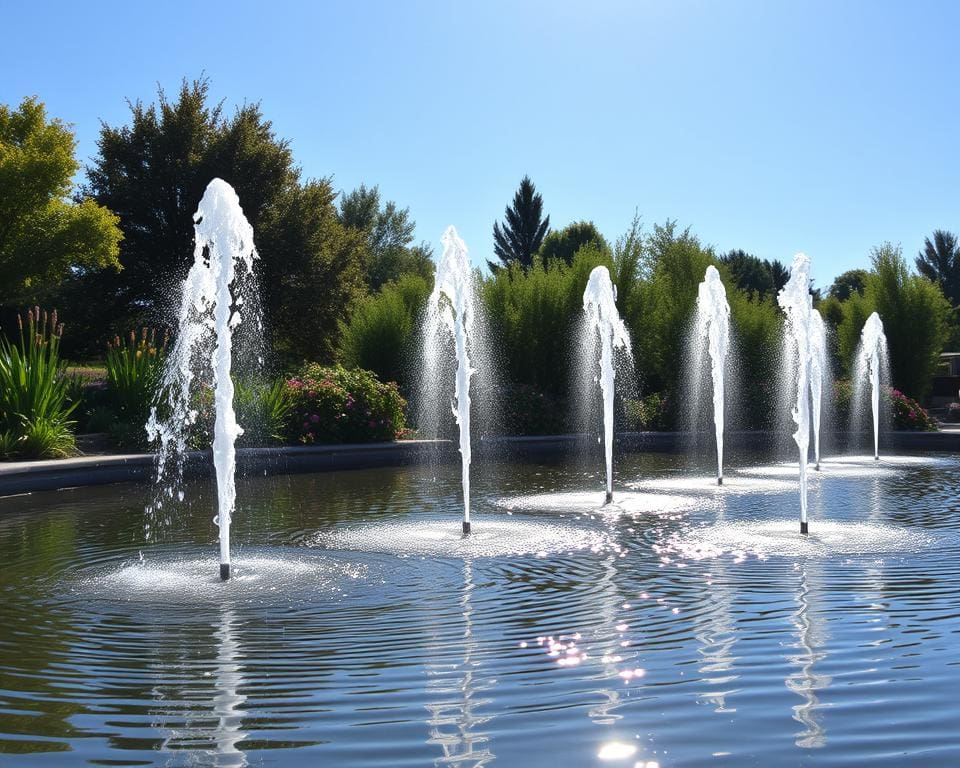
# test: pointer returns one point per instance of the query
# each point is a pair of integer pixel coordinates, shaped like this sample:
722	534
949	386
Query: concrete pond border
32	476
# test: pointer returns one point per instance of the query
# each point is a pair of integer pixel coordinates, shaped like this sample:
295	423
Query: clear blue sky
827	127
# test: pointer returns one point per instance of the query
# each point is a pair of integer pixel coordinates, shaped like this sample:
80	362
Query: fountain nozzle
720	480
224	571
608	499
804	529
466	527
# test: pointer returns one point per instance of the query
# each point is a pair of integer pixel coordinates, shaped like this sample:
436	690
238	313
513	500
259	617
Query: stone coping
29	476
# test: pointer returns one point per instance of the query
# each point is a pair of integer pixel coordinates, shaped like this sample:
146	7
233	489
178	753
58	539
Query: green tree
749	273
43	235
915	320
849	282
389	232
523	229
562	245
939	261
152	173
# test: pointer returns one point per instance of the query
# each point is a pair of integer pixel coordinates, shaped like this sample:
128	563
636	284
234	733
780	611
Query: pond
684	625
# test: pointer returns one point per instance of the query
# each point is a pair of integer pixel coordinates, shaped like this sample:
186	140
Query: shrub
915	320
533	316
382	331
907	412
525	411
134	371
34	392
336	405
652	412
263	411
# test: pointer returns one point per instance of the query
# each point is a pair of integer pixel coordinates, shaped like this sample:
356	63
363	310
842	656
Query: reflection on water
454	689
204	724
607	601
358	633
717	635
811	649
227	702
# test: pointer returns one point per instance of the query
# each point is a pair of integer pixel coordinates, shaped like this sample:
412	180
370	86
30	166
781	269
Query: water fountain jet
450	315
599	304
819	367
871	357
796	301
209	312
713	324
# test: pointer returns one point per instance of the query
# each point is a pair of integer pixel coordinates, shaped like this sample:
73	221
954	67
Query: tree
563	245
749	273
939	261
43	236
759	278
850	282
389	232
914	314
523	230
153	172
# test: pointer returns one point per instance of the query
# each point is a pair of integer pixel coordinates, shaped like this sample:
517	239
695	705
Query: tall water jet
819	367
797	303
871	357
450	316
599	304
209	312
713	325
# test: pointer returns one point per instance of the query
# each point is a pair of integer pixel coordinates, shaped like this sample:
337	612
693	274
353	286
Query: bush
533	316
336	405
907	413
525	411
915	320
381	334
652	412
35	403
134	371
263	411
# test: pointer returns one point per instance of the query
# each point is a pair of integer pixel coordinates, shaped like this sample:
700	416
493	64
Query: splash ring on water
444	538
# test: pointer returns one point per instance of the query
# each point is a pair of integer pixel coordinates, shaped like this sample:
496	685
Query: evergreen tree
523	230
939	261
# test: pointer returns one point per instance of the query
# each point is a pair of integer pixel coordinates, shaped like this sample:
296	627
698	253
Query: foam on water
767	538
632	503
732	485
438	538
190	579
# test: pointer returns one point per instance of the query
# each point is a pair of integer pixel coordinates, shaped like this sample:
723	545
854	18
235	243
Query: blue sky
827	127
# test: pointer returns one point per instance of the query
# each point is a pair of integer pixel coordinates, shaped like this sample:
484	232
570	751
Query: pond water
685	625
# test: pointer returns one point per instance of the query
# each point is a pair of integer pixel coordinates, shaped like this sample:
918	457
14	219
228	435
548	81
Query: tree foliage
43	235
389	233
914	314
849	282
939	262
152	172
382	331
562	245
760	278
523	229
